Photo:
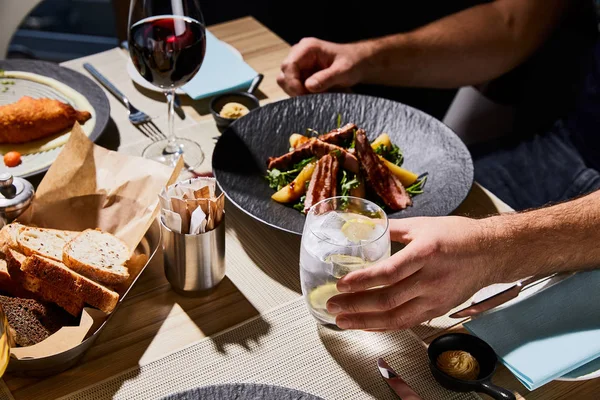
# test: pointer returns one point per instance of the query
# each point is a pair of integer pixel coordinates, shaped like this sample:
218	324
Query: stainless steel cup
194	263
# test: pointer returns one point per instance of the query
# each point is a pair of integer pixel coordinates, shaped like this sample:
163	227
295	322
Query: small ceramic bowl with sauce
228	107
481	351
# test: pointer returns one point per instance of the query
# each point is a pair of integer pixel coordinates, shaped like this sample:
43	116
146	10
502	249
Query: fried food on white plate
30	119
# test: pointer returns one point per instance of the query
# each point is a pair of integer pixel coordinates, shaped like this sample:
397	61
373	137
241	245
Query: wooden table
153	320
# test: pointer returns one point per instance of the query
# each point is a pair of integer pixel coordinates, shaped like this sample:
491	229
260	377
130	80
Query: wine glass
167	43
341	235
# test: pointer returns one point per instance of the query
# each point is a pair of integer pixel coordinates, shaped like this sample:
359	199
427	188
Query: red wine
167	50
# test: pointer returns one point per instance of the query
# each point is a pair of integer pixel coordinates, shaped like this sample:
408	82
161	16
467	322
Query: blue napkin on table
549	334
221	71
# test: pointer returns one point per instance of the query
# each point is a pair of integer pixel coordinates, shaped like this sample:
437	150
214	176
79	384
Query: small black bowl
483	353
217	103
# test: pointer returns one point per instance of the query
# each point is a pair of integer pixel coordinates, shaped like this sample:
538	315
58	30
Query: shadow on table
154	321
110	138
202	106
265	253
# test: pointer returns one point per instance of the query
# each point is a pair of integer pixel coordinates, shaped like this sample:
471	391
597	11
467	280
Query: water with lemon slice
333	245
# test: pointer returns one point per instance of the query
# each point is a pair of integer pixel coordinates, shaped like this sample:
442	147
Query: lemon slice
318	296
357	230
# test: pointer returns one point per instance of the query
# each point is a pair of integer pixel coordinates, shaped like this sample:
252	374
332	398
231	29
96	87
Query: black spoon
484	355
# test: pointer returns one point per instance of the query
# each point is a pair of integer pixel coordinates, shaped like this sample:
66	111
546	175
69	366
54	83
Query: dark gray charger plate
242	391
81	83
240	156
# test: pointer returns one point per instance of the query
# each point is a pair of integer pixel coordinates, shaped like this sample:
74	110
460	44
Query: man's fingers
386	272
380	299
324	80
408	315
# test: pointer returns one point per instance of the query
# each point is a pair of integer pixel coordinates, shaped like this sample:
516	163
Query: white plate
39	154
139	79
586	372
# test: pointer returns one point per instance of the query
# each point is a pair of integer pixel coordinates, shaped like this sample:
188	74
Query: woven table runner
284	347
4	392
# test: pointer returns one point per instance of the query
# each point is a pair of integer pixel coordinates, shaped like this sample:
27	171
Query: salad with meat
342	162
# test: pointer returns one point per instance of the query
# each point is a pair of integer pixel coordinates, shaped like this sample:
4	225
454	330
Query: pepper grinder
15	196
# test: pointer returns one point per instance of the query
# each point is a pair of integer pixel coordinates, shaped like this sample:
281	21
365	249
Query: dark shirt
584	121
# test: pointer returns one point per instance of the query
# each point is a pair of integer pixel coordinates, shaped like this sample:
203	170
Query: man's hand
445	261
470	47
315	65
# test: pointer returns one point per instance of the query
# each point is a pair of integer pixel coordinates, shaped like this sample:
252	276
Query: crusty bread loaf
45	242
41	289
99	256
31	320
58	275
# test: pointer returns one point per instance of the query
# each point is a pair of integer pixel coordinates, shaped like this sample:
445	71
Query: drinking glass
167	43
341	235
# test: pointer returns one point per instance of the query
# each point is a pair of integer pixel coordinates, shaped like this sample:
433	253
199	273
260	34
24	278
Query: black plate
240	156
81	83
242	391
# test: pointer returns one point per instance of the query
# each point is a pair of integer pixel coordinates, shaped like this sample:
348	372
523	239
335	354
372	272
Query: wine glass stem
171	144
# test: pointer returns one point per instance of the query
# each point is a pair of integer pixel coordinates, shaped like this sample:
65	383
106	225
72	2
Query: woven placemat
283	347
4	392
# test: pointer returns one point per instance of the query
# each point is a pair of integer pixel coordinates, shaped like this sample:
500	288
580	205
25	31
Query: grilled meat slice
379	177
349	161
316	148
339	136
323	183
285	161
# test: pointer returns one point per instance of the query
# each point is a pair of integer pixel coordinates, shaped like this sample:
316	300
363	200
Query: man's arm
466	48
564	237
447	259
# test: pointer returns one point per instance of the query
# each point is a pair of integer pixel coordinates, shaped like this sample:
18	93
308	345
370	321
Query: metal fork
138	118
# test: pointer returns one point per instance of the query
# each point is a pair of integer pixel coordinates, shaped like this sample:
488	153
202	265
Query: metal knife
503	296
398	385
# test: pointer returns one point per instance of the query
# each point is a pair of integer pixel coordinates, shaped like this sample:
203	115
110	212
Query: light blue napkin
221	71
549	334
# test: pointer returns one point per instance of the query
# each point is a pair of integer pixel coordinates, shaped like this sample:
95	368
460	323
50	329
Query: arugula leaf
278	179
393	155
417	187
347	184
339	120
302	164
353	142
300	205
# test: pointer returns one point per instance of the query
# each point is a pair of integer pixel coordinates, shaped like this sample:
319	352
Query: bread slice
32	321
39	289
58	275
45	242
10	286
8	236
98	255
